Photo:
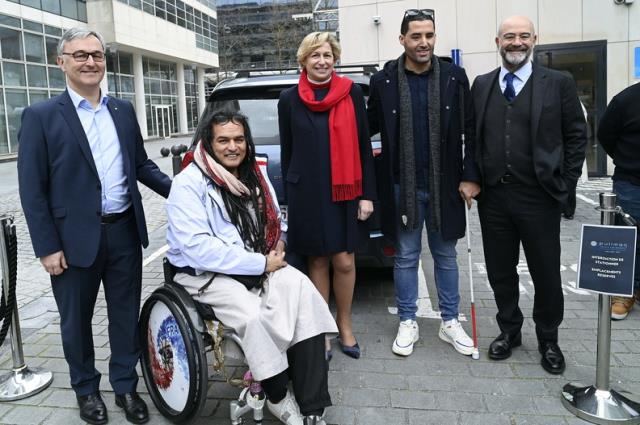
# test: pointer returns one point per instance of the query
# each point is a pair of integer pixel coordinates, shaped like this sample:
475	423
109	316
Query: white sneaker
287	411
408	334
451	331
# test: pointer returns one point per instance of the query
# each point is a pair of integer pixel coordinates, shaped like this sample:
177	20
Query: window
9	21
14	74
31	3
10	44
36	96
69	8
51	45
31	26
51	6
82	10
57	78
37	76
49	29
34	48
16	103
4	143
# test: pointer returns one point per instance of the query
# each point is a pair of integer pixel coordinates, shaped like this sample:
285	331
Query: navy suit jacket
558	128
60	189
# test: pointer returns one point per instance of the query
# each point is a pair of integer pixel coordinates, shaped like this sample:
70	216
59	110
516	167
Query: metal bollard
22	381
176	159
600	404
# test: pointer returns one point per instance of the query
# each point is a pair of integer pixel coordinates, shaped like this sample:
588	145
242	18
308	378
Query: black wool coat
317	225
558	129
383	109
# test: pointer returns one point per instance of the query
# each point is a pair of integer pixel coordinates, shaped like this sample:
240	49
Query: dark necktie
509	91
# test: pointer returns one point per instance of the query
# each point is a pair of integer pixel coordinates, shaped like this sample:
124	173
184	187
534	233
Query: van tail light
388	251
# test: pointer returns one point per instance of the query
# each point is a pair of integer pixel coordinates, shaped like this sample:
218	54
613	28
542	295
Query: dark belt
114	217
508	178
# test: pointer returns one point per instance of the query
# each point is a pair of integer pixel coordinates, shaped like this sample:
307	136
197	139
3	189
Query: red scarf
346	170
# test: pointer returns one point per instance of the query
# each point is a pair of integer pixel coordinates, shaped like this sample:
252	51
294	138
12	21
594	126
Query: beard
418	59
515	57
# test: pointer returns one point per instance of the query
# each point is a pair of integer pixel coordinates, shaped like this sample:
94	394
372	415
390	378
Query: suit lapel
117	122
70	115
483	98
539	88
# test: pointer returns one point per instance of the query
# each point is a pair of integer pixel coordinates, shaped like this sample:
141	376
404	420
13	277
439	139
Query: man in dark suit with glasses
531	140
80	158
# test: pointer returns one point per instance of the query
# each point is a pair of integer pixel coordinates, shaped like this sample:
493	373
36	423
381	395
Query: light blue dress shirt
522	75
103	139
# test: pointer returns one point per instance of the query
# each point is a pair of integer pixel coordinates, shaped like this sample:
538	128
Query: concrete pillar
138	84
202	101
183	127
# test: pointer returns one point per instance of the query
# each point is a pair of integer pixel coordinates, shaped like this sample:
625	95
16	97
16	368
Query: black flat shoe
134	407
92	409
500	348
352	351
552	358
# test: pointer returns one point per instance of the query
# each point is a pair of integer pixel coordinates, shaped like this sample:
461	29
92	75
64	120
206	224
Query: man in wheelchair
226	240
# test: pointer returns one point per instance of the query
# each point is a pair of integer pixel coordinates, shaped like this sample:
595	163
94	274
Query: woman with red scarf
227	241
327	165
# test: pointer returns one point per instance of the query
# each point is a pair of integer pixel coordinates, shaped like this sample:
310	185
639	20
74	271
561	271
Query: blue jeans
629	200
405	269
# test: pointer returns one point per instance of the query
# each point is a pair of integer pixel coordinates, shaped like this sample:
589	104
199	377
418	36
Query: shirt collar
522	74
79	101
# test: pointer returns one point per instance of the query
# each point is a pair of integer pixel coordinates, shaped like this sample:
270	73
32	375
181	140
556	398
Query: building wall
471	25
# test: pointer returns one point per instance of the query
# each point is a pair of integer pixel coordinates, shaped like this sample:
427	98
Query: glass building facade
28	72
191	92
179	13
161	93
120	76
73	9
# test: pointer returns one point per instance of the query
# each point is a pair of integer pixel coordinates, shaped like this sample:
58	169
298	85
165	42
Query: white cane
474	332
476	353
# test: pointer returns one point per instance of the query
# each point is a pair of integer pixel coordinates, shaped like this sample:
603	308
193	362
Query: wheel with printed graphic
173	360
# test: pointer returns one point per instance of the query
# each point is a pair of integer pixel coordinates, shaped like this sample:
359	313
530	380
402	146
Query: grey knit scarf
408	208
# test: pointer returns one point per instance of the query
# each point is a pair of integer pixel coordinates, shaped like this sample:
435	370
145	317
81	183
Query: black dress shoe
92	409
552	359
500	348
134	407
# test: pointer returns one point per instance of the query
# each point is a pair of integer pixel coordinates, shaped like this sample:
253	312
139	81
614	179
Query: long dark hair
252	231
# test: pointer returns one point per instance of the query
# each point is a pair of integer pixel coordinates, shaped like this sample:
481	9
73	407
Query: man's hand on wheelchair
275	259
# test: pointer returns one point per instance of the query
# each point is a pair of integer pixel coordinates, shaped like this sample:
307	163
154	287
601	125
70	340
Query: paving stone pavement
433	386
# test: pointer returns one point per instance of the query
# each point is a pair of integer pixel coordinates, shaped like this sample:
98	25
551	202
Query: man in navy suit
80	157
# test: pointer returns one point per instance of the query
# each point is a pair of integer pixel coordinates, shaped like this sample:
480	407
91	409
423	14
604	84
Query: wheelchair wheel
174	361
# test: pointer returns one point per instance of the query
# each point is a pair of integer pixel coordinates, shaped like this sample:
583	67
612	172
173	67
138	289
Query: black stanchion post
600	404
22	381
176	159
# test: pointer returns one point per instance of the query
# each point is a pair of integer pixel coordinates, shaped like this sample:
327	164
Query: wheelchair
176	334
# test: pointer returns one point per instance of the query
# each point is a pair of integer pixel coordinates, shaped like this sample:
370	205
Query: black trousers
308	370
510	214
118	266
570	208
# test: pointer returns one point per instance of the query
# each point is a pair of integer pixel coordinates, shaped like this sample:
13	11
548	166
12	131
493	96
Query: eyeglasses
525	36
427	13
82	56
